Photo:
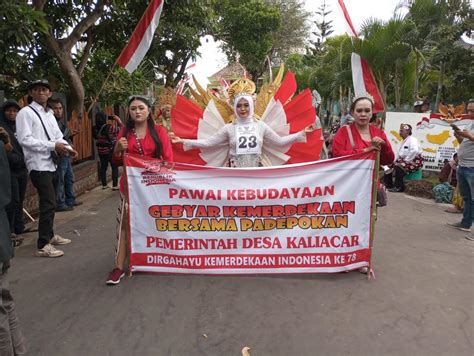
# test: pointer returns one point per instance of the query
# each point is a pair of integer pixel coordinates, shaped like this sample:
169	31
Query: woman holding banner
361	136
142	137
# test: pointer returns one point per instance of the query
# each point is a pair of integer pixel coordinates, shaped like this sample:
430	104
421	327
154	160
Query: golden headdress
240	87
167	97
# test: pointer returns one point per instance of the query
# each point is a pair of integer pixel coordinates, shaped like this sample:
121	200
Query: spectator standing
106	137
417	106
18	171
42	141
12	341
465	171
425	107
66	198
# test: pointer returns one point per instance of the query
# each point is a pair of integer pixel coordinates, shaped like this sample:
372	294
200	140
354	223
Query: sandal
17	240
453	211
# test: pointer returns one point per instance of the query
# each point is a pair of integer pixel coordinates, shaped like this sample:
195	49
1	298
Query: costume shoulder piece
202	115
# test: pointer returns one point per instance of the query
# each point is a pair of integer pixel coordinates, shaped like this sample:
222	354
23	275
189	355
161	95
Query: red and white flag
223	83
362	76
181	84
142	37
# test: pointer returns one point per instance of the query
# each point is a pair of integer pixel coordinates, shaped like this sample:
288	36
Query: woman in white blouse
408	159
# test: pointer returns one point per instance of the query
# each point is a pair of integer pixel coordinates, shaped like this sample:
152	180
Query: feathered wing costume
202	117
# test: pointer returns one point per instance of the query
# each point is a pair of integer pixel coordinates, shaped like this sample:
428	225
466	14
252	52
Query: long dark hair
130	124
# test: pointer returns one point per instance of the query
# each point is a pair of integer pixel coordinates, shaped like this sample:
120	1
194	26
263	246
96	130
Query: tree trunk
417	80
440	85
62	49
70	73
397	86
341	98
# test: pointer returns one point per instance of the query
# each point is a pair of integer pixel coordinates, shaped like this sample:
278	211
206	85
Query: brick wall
86	178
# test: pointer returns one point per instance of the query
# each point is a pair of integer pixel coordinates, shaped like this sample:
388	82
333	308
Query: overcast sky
212	59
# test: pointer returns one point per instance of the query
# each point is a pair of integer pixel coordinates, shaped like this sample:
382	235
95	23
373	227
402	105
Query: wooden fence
83	141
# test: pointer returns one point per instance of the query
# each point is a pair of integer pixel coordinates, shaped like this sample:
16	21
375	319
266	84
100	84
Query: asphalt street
421	302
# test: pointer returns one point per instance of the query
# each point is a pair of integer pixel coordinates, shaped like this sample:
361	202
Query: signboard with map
434	134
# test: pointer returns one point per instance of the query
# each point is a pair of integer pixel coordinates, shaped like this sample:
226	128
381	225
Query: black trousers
45	183
105	160
15	208
399	174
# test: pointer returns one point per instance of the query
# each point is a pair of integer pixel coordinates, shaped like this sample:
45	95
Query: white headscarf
249	100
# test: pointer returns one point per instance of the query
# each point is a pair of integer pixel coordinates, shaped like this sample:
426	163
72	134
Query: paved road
420	304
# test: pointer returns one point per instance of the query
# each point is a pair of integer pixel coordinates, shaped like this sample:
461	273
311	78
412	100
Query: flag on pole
350	27
142	37
362	76
181	84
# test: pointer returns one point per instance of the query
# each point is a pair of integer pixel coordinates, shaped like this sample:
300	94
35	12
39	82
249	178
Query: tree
18	24
323	29
292	35
438	25
69	24
246	28
382	46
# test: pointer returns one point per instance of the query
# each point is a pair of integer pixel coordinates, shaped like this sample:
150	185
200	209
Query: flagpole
101	88
145	29
373	217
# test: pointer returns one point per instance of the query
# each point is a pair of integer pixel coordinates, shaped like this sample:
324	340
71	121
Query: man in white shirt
42	141
408	159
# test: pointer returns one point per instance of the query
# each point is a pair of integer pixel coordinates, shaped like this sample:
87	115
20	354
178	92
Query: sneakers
364	270
115	276
77	203
64	208
58	240
470	237
459	226
115	187
104	187
48	251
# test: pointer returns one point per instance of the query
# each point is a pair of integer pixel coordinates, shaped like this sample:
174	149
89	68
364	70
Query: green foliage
292	35
246	27
19	23
323	30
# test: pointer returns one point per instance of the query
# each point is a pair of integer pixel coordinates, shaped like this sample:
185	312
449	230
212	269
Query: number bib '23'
247	139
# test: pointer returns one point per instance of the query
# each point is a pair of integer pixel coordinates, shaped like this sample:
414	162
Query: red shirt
341	145
148	146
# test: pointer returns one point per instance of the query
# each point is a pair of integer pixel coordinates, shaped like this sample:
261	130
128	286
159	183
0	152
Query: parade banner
303	218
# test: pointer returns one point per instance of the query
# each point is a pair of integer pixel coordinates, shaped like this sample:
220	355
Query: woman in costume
140	137
246	137
166	102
